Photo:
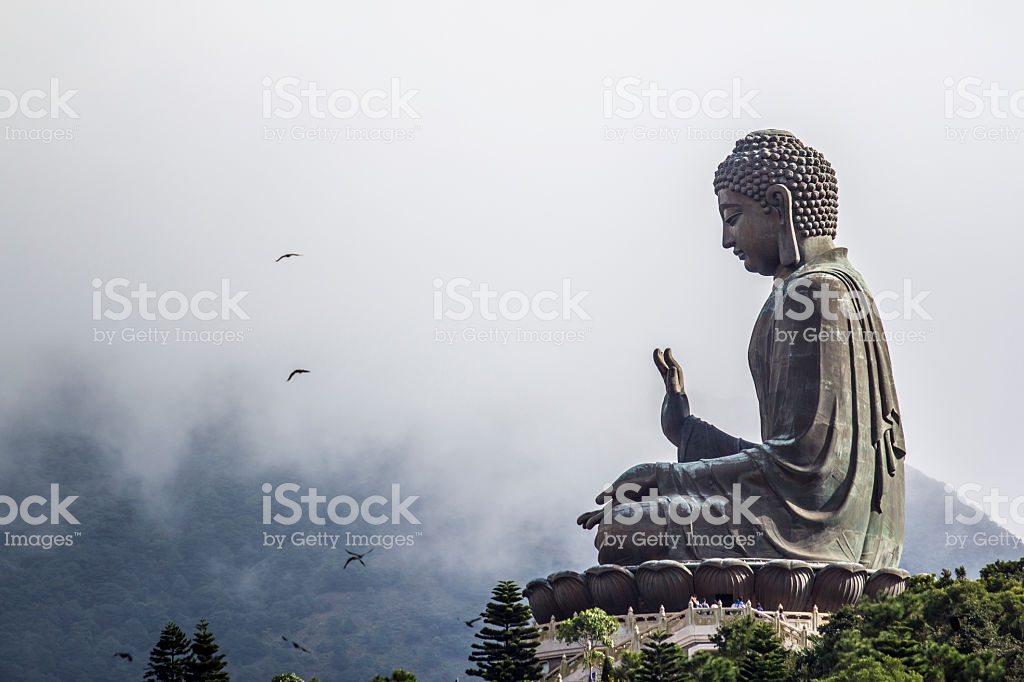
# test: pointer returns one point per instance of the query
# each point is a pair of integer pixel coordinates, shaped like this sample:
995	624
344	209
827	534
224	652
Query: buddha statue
825	484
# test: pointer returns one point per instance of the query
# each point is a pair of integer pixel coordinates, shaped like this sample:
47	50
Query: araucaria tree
662	660
206	665
507	651
591	629
171	658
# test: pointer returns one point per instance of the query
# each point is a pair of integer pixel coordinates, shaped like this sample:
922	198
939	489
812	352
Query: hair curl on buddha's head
768	157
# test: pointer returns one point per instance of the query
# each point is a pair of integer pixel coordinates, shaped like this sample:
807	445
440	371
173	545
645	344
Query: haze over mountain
195	547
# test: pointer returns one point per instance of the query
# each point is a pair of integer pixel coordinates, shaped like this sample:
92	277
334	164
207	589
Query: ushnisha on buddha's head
779	202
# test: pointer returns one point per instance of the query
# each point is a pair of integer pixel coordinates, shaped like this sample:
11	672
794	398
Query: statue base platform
668	585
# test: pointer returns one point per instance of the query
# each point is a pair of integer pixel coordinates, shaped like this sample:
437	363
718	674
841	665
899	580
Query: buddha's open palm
671	372
676	406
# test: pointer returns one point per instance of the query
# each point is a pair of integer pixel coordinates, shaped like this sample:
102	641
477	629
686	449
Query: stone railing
691	629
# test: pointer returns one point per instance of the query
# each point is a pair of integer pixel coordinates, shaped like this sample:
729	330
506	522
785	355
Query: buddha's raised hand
671	372
676	406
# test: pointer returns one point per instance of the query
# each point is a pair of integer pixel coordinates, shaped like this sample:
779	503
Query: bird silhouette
356	557
287	255
469	623
297	371
296	645
125	655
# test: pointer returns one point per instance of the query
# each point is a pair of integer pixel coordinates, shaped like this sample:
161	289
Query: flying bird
287	255
125	655
297	371
356	557
296	645
469	623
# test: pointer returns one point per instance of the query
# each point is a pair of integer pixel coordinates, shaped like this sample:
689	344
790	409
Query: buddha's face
751	233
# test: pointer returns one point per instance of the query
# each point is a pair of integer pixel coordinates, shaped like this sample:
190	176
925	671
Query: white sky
508	180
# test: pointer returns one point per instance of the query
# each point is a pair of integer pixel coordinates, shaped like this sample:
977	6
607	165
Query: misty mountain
195	548
930	544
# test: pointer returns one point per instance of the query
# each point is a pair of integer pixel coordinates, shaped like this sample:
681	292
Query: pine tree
628	667
704	666
765	661
662	660
508	648
207	665
396	676
606	669
898	642
171	658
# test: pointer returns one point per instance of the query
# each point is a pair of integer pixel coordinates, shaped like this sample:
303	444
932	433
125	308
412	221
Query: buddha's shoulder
836	273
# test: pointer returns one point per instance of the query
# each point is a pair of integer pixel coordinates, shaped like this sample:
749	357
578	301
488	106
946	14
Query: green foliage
607	671
705	666
171	658
766	660
206	665
590	629
662	660
1003	575
286	677
873	670
628	667
508	648
897	643
396	676
947	629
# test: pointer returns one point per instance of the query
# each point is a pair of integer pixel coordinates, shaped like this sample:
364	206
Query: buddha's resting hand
675	408
632	486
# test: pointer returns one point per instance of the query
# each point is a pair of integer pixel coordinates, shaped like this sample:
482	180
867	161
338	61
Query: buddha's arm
798	381
701	440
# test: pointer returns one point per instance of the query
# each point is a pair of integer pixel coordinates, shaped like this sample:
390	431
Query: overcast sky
503	166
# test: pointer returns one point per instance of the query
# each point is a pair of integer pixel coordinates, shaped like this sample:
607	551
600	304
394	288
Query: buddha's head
774	194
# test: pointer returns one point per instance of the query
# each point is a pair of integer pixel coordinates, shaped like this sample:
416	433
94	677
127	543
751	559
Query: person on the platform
826	482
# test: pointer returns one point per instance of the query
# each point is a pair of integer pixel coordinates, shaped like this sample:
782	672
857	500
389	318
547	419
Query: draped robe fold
828	475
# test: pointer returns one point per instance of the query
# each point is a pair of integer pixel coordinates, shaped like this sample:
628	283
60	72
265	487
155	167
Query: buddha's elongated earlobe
780	199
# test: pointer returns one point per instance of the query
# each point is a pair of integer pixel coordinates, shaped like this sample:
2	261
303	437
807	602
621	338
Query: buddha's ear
781	202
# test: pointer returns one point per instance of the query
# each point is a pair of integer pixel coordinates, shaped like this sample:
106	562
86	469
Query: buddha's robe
828	475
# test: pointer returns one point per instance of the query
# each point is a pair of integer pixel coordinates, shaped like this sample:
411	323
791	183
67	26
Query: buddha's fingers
659	362
590	519
676	370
